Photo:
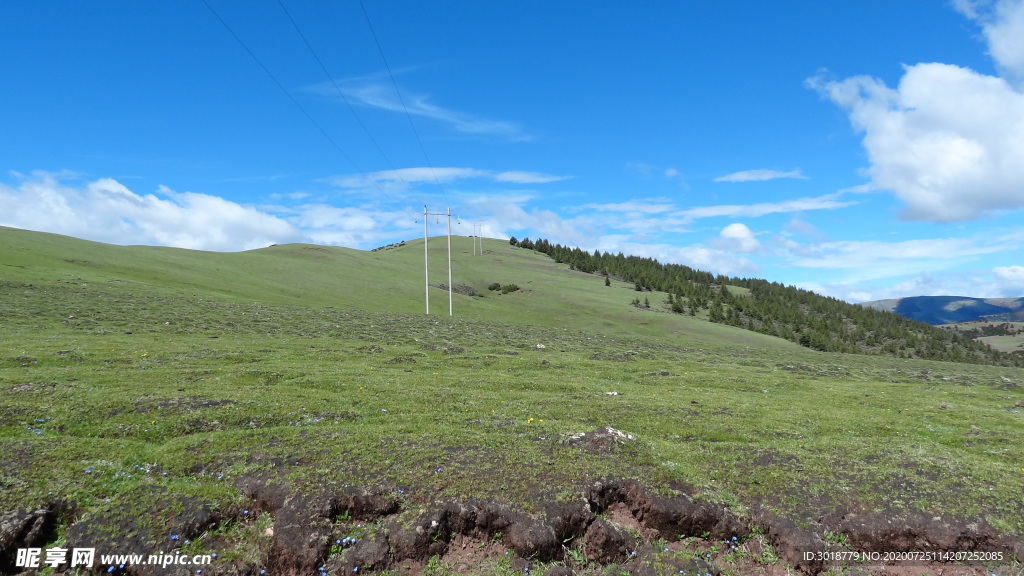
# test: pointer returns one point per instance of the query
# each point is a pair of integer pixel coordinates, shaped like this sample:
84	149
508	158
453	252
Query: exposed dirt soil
612	526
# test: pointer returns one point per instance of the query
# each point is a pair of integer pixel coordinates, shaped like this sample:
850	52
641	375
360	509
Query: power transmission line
402	100
340	93
292	98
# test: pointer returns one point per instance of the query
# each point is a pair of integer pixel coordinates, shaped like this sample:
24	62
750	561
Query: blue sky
864	150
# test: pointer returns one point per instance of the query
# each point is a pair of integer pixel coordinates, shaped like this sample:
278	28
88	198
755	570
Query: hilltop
294	411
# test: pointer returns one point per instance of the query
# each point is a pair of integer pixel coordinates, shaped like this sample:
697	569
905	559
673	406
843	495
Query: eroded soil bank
613	526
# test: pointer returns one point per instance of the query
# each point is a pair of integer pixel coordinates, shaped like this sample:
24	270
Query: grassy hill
390	280
292	410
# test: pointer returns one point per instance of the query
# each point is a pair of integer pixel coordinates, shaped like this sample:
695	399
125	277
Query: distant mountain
950	309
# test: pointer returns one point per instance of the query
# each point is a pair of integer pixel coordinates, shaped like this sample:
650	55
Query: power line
402	100
292	98
340	93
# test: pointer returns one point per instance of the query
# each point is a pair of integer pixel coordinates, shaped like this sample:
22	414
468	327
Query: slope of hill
389	280
800	316
952	309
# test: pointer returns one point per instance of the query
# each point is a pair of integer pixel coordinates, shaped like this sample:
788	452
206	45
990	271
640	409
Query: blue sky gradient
863	150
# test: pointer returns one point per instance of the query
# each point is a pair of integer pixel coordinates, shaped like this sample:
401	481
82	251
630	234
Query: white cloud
947	140
826	202
106	211
527	177
975	284
383	96
630	206
649	170
400	179
804	228
1010	280
695	256
759	175
1002	24
736	237
883	259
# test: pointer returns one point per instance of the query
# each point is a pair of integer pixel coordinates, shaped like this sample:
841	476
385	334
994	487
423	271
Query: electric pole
426	268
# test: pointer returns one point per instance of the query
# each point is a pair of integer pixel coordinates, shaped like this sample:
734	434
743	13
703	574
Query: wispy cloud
527	177
383	97
826	202
653	206
760	175
443	175
858	267
876	255
979	283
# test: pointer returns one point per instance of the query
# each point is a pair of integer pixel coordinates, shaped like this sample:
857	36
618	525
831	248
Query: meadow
292	409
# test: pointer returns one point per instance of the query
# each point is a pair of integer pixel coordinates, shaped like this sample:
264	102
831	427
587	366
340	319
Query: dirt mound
604	439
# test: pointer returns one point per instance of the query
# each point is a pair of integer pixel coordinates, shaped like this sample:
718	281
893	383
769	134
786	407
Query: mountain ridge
937	310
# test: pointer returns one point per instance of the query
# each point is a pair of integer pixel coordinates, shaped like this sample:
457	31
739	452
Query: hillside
952	309
800	316
292	410
383	280
687	306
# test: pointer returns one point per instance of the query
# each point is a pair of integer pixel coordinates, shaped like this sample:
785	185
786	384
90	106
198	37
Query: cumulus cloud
947	139
107	211
1002	24
736	237
1010	279
760	175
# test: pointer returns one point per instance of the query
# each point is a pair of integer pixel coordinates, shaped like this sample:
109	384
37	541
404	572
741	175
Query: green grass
124	368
